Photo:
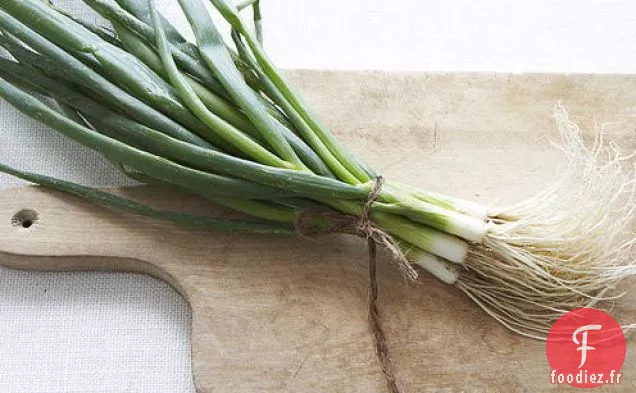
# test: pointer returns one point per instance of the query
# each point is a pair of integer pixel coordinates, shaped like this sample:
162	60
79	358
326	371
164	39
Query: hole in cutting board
25	218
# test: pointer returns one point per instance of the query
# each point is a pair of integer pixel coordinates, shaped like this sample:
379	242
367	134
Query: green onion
116	201
83	75
218	105
192	101
230	13
219	120
145	162
216	56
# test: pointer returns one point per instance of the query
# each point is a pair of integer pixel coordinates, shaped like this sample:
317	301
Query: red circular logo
586	348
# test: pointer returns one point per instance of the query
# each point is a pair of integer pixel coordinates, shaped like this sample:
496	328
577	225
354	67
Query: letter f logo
584	347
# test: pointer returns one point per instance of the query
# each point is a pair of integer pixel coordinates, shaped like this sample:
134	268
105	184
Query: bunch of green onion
217	119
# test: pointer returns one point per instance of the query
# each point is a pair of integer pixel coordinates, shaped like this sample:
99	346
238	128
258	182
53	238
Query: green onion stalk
219	120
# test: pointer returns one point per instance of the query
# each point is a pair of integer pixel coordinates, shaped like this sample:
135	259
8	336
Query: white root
566	247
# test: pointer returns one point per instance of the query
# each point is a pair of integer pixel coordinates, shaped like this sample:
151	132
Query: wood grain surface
285	314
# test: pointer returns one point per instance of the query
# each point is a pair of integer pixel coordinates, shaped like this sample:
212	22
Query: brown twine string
364	227
379	337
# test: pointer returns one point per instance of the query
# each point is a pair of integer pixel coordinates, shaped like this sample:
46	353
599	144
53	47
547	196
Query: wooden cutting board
276	314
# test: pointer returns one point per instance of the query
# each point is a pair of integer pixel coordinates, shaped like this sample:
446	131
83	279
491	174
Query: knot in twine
365	228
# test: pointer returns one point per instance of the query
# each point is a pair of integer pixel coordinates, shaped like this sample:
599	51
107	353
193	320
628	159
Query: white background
90	332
